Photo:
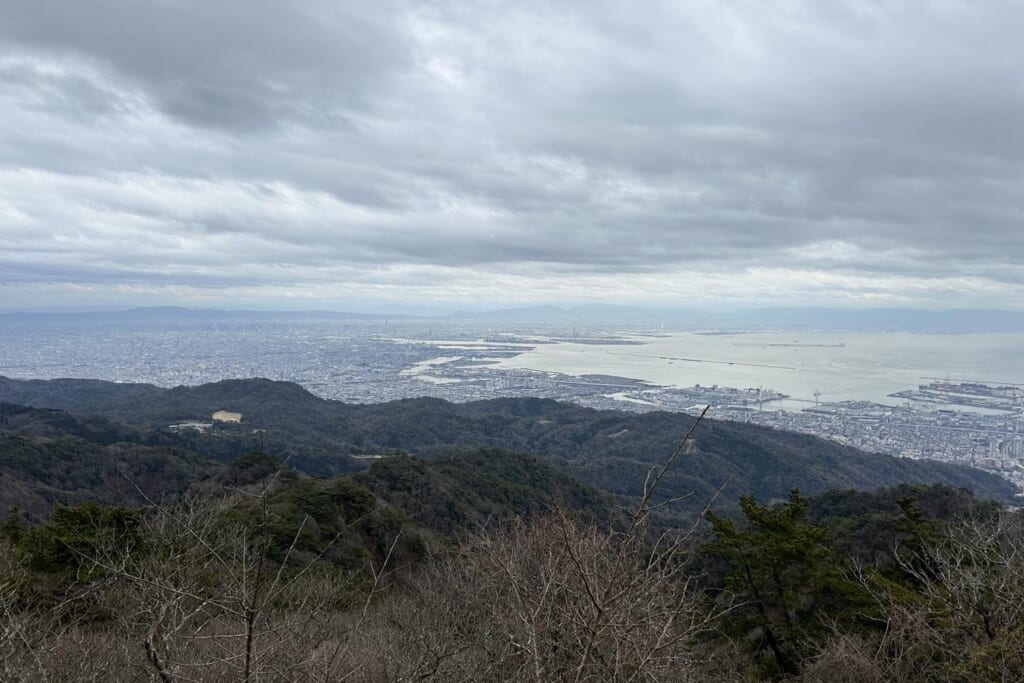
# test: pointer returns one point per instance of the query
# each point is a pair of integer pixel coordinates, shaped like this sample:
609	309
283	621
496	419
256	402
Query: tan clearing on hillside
227	416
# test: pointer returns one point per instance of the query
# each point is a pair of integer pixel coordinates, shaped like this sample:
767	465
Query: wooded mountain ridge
610	451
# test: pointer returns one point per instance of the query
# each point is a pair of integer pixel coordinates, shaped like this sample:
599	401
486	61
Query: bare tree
205	600
48	633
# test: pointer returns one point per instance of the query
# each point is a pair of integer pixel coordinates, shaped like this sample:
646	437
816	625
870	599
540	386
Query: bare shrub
963	621
546	600
549	599
204	601
56	641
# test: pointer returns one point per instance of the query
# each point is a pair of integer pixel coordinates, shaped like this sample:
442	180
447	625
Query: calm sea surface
849	366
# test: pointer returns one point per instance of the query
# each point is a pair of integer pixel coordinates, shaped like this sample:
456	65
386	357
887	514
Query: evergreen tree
782	570
12	529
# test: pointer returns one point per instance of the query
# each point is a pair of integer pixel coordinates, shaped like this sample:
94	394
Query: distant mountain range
610	451
175	315
875	319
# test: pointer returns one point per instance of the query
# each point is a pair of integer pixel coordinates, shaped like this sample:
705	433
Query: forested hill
610	450
50	456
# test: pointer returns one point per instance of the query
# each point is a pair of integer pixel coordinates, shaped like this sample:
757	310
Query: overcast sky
258	153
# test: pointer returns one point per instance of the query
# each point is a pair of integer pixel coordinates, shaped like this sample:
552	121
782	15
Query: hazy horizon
573	319
478	307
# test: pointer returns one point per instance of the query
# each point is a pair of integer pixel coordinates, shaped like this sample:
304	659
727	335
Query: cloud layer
329	154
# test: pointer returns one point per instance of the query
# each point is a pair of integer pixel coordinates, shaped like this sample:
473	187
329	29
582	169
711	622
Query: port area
1006	397
981	425
989	439
965	422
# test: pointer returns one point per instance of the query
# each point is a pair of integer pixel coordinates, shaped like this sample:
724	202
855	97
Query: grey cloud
209	142
66	95
227	64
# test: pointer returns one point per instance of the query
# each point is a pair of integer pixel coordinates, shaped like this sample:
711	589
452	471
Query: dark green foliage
74	536
804	568
48	423
36	472
250	468
334	519
789	583
84	396
935	501
865	526
12	527
473	489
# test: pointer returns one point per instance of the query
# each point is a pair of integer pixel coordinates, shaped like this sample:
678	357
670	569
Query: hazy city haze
396	155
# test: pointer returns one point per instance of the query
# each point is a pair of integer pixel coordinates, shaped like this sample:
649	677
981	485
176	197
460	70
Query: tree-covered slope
611	450
36	472
479	488
49	456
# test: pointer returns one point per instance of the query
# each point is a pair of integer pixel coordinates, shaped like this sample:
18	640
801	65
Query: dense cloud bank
842	152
